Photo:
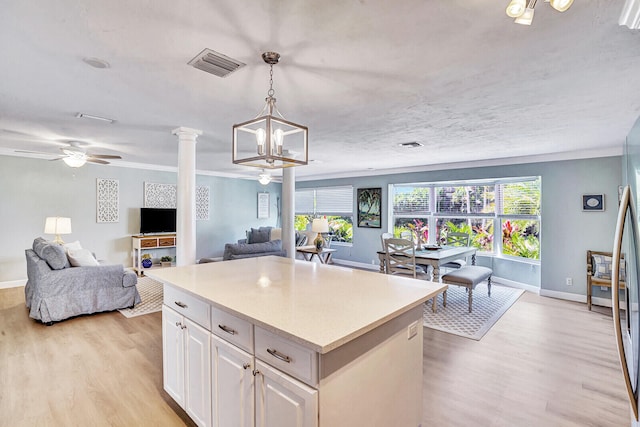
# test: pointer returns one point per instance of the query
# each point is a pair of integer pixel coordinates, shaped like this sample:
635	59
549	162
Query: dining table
435	256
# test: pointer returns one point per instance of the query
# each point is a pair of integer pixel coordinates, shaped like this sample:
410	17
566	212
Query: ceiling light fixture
89	116
264	178
74	157
269	141
523	10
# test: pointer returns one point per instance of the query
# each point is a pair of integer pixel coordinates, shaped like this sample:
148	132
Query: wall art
107	200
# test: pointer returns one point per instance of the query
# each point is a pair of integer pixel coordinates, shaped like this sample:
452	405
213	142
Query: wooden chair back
385	236
400	257
457	239
596	278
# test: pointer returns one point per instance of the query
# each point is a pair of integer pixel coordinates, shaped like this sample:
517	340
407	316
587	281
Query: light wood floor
545	363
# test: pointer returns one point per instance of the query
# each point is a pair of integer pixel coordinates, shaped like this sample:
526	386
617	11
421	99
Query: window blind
305	202
334	200
410	200
466	199
520	198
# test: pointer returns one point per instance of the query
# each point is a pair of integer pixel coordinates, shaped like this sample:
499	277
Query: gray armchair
56	291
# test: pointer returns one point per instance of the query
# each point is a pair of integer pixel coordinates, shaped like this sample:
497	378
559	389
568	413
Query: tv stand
141	243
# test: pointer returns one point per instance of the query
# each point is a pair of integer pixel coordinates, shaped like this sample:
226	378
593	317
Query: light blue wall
567	232
32	189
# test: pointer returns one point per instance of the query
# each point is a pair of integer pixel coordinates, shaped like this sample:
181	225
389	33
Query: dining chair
385	236
456	239
400	257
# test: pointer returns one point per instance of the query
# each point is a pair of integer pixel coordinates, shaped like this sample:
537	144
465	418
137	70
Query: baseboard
354	264
566	296
513	284
12	284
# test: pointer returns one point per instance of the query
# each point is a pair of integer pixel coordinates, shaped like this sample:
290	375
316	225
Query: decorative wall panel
166	196
202	203
107	200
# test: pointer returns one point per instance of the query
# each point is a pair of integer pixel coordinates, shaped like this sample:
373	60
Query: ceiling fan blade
57	158
98	161
33	152
103	156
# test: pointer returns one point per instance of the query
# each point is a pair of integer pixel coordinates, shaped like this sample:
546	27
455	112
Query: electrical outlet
412	330
569	281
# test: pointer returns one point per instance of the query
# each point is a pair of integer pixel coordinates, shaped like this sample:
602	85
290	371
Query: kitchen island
279	342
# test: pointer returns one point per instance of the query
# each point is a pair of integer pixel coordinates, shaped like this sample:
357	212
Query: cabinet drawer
167	241
232	328
187	305
148	243
289	357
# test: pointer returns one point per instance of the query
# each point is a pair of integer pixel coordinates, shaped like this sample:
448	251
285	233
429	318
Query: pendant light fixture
269	141
523	10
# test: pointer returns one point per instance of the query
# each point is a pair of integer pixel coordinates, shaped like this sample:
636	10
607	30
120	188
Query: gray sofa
56	291
263	241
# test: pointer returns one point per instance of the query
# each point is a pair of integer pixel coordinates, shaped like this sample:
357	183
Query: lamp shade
57	225
320	225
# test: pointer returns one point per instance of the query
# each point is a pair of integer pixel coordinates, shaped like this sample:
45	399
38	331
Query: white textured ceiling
455	75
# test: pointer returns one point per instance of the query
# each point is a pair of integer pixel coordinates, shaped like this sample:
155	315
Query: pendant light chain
271	91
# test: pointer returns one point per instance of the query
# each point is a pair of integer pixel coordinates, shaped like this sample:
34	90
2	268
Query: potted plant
165	261
146	260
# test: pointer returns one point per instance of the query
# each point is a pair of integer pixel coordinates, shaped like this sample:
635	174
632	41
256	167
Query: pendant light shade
561	5
526	18
269	141
516	8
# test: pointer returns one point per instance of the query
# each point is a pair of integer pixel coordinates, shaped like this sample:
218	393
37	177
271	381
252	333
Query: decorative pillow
260	235
81	258
602	267
73	246
52	253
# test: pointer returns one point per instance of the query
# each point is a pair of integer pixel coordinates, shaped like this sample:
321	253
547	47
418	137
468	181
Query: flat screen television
157	220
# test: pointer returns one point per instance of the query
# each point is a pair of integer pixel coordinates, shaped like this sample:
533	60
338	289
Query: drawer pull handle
227	329
246	366
255	372
278	355
181	304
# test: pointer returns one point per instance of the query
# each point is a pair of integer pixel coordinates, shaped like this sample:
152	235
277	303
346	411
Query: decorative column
288	211
186	208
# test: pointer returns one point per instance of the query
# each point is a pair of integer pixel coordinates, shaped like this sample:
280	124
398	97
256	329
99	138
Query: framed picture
593	202
263	205
369	205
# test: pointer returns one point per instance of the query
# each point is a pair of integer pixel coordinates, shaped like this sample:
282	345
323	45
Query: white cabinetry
281	401
232	385
186	364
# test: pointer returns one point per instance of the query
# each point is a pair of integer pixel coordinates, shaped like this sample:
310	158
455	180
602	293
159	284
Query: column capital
186	132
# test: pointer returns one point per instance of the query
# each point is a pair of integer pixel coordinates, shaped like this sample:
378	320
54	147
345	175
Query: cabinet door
282	401
173	354
198	372
232	385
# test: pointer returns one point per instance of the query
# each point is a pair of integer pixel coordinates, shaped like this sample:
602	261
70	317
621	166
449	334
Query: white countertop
320	306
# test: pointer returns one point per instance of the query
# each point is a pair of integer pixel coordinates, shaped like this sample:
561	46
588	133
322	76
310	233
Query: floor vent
215	63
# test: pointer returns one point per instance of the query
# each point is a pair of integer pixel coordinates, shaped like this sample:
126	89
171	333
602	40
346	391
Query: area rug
151	296
455	317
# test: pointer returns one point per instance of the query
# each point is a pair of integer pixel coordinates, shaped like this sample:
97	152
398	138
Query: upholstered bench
468	276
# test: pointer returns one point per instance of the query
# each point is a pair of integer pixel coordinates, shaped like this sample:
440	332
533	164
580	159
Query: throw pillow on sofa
259	235
52	253
81	258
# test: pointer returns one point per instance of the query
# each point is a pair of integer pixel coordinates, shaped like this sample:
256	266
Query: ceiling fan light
74	162
526	18
561	5
264	178
516	8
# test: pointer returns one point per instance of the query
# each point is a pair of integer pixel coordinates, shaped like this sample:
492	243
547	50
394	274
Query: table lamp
319	225
57	225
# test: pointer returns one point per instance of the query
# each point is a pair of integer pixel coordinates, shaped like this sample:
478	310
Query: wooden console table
141	243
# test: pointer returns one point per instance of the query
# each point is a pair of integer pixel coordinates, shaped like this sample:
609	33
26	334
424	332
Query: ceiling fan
76	156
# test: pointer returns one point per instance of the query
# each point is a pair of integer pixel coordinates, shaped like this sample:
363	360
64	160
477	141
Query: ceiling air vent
215	63
410	144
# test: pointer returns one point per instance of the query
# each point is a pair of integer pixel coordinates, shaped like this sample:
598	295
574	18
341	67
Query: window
502	216
336	203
